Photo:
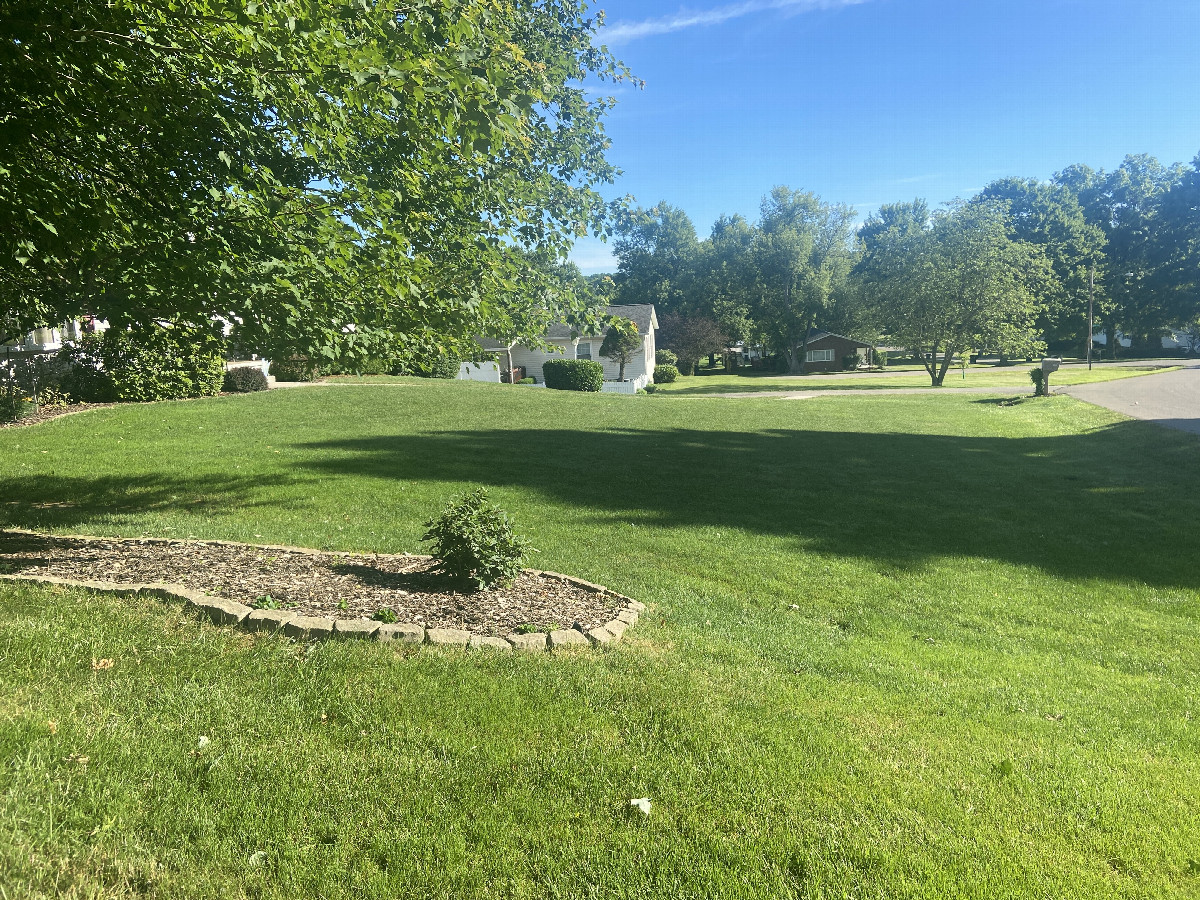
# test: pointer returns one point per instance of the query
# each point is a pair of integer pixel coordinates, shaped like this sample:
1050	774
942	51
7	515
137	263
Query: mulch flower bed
46	413
310	583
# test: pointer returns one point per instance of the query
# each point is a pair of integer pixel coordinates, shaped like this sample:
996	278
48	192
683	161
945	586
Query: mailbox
1050	364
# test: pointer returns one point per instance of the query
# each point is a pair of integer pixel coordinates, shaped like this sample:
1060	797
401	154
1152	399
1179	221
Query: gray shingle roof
641	313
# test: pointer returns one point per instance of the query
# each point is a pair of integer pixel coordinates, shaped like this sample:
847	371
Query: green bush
473	541
14	404
649	389
665	374
665	358
573	374
295	368
151	362
1038	377
244	380
527	381
443	367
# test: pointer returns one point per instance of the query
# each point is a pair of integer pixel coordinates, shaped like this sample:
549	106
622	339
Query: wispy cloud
628	31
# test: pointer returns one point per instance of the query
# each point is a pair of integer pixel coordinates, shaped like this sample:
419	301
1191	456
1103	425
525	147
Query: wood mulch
46	413
312	583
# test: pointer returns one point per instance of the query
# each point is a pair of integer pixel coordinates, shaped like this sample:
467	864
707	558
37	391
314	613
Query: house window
819	356
584	350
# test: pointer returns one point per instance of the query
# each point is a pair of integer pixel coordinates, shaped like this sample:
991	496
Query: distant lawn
1015	379
988	687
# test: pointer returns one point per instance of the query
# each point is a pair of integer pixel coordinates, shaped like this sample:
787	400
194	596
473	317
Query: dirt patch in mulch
332	585
46	413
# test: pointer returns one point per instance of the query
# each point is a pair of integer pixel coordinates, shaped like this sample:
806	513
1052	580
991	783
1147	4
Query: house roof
817	335
641	313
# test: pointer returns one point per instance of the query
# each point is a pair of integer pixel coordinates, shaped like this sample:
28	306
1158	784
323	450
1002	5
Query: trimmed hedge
151	362
665	374
295	368
573	374
244	380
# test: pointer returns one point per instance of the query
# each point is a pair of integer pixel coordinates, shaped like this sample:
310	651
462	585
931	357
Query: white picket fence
631	386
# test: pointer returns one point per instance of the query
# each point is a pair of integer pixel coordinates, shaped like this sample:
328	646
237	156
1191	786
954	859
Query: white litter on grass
642	804
203	742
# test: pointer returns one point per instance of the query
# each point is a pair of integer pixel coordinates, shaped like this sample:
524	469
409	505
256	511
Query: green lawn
988	687
1014	379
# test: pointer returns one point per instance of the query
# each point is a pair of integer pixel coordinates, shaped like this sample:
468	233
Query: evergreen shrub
573	374
665	374
244	380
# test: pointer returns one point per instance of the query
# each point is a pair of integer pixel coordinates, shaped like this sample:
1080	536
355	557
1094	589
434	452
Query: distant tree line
1008	271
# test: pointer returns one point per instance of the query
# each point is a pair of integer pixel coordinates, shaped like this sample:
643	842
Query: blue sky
873	101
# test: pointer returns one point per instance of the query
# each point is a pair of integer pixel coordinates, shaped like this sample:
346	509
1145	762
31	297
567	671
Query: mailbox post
1049	364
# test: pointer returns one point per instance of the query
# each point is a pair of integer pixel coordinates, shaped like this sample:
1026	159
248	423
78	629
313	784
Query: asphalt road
1171	399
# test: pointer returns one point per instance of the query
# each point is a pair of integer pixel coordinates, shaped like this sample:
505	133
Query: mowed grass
1013	379
898	646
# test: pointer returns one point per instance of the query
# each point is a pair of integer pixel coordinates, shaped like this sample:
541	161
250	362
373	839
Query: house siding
839	345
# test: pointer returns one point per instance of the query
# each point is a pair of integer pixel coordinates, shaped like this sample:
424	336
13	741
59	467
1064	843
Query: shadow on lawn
53	501
1106	504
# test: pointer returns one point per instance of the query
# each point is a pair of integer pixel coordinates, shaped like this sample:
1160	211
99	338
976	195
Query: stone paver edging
221	611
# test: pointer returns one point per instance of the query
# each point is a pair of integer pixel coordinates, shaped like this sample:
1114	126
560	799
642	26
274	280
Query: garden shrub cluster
665	358
474	541
244	380
573	374
665	374
295	368
153	362
441	366
30	383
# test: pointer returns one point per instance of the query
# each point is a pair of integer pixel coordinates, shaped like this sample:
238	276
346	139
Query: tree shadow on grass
54	501
1106	504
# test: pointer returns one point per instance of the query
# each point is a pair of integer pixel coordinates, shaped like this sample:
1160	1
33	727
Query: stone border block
405	634
349	630
220	611
447	637
304	628
628	616
487	642
267	619
601	635
616	627
568	638
535	641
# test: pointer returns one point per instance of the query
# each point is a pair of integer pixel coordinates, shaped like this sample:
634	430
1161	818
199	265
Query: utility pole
1091	311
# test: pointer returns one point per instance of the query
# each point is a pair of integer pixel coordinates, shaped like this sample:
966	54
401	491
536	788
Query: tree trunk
931	366
621	371
794	367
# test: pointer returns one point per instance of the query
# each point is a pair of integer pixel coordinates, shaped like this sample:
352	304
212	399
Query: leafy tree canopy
296	166
952	281
621	341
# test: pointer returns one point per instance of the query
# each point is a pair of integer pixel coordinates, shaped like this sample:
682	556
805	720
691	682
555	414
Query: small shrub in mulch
474	541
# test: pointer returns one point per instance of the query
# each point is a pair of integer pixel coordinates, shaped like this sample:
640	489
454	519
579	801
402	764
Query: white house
565	344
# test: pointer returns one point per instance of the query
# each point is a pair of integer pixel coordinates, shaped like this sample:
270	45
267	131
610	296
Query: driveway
1171	399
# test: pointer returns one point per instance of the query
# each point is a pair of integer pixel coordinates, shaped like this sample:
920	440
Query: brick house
826	351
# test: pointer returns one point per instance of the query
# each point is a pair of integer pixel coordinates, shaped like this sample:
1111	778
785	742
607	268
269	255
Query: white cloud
628	31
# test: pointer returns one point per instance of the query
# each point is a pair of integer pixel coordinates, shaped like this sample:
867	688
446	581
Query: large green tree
1127	204
1050	216
295	166
952	281
657	253
802	255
